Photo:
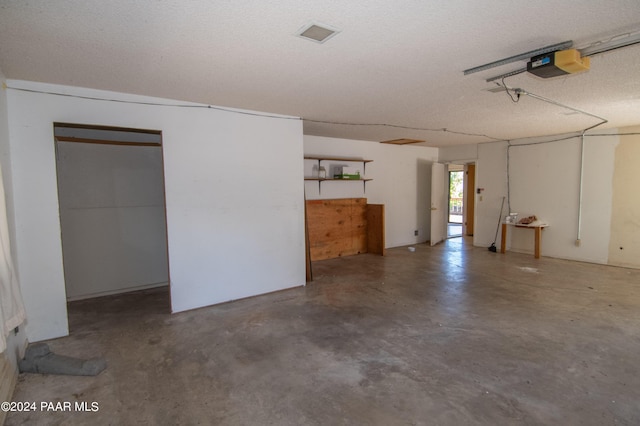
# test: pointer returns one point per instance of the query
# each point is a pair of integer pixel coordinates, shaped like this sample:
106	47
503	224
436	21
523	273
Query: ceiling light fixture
317	32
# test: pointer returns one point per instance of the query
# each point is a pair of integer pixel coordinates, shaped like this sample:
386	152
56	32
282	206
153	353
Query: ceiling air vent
318	33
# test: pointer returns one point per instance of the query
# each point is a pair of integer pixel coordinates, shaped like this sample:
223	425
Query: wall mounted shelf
320	159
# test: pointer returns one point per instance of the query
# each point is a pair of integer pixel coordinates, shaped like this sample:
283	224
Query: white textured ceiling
394	62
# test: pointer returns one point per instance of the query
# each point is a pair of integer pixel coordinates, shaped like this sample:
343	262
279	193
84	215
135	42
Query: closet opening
112	218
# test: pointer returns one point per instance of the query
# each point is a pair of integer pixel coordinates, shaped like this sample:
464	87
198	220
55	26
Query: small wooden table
536	226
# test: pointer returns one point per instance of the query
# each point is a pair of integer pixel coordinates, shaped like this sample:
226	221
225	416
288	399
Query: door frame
115	141
469	201
439	203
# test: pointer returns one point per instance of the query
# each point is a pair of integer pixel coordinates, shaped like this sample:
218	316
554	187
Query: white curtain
11	307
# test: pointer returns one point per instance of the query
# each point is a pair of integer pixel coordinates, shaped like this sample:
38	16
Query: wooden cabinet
344	227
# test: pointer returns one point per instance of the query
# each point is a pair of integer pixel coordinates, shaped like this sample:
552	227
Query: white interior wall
113	218
458	153
16	342
5	161
401	181
545	181
624	244
234	197
491	182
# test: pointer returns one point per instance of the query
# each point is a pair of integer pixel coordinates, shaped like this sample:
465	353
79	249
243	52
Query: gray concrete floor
446	335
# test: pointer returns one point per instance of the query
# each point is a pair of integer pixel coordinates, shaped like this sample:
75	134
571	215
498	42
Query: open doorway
112	212
455	200
469	211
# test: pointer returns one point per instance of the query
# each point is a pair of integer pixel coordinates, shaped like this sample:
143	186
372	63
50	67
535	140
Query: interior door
470	202
438	204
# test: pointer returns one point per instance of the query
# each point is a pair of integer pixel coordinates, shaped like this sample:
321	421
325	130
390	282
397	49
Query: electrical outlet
415	232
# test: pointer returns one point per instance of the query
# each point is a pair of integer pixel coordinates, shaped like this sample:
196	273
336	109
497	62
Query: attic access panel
402	141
